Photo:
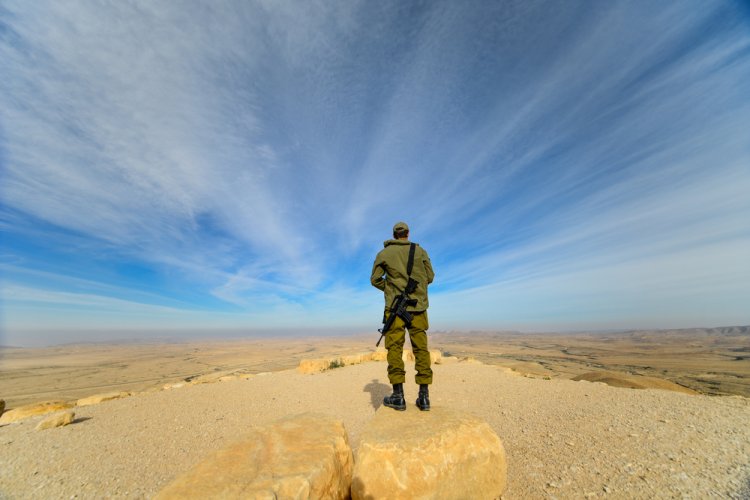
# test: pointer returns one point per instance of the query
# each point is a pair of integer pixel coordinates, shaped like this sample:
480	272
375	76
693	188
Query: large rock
32	410
303	456
442	454
313	365
56	420
100	398
380	355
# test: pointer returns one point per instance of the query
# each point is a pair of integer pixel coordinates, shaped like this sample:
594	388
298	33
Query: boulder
313	365
302	456
442	453
56	420
436	357
100	398
352	359
407	356
32	410
618	379
380	355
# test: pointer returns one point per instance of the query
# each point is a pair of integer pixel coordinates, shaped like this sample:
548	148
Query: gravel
563	439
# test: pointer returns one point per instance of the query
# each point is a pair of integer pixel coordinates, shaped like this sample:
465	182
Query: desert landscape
563	438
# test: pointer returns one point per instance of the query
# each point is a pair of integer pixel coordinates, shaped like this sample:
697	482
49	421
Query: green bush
336	363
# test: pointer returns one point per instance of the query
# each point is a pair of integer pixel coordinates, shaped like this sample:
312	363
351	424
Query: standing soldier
399	261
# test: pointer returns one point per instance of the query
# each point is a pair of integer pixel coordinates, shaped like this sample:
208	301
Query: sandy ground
563	439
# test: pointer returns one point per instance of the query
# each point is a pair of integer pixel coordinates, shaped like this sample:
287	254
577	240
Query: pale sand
564	439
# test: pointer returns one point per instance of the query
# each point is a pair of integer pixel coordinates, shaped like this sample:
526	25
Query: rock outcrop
32	410
313	365
443	453
56	420
100	398
380	355
303	456
618	379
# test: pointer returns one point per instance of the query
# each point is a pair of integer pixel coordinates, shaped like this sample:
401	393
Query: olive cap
400	226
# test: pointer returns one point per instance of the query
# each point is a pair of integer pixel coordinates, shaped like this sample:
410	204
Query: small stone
57	420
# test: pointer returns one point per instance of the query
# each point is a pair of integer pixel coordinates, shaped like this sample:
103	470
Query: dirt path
564	439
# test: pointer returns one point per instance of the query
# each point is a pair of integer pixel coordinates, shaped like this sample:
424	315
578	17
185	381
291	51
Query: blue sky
236	165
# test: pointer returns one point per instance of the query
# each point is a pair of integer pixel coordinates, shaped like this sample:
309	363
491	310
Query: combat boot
396	400
423	401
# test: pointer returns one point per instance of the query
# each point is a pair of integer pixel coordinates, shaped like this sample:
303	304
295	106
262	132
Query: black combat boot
396	400
423	401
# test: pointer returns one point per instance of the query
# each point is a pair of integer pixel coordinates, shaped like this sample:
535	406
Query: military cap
400	226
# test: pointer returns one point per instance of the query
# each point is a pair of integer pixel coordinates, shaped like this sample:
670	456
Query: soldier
390	274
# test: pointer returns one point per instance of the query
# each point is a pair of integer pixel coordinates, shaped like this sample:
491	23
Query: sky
236	165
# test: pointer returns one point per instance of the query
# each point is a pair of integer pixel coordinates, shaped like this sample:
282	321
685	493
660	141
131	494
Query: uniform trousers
394	342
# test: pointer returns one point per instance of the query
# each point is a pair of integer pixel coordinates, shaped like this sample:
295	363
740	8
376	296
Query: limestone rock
313	365
175	385
380	355
100	398
436	357
33	409
407	356
209	378
56	420
352	359
302	456
443	453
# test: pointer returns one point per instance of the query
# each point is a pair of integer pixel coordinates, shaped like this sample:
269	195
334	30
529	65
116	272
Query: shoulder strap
410	264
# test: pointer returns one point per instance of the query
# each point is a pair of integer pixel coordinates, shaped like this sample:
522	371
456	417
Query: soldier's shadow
377	392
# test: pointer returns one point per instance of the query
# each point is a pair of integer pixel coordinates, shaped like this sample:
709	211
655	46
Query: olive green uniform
389	275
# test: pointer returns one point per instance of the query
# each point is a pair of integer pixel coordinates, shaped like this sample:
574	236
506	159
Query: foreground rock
32	410
57	420
443	453
303	456
100	398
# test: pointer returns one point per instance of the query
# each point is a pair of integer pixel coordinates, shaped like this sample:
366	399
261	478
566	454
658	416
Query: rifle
398	309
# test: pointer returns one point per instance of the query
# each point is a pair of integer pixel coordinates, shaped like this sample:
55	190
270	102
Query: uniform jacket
389	272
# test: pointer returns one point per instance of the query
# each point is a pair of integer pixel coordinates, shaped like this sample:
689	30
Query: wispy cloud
250	156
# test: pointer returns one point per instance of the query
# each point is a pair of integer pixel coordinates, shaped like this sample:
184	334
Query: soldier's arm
377	277
428	268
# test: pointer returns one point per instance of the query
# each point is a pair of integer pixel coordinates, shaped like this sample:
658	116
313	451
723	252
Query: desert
563	438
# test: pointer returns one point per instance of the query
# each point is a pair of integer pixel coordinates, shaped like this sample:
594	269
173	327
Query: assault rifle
398	309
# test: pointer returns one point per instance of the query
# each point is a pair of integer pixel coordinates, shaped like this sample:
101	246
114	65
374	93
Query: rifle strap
410	264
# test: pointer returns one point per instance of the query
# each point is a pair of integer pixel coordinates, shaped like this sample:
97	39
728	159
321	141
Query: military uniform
389	274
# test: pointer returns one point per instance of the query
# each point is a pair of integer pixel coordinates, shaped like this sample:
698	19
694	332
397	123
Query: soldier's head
400	231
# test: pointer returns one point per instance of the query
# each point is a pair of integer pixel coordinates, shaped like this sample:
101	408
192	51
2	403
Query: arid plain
714	361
